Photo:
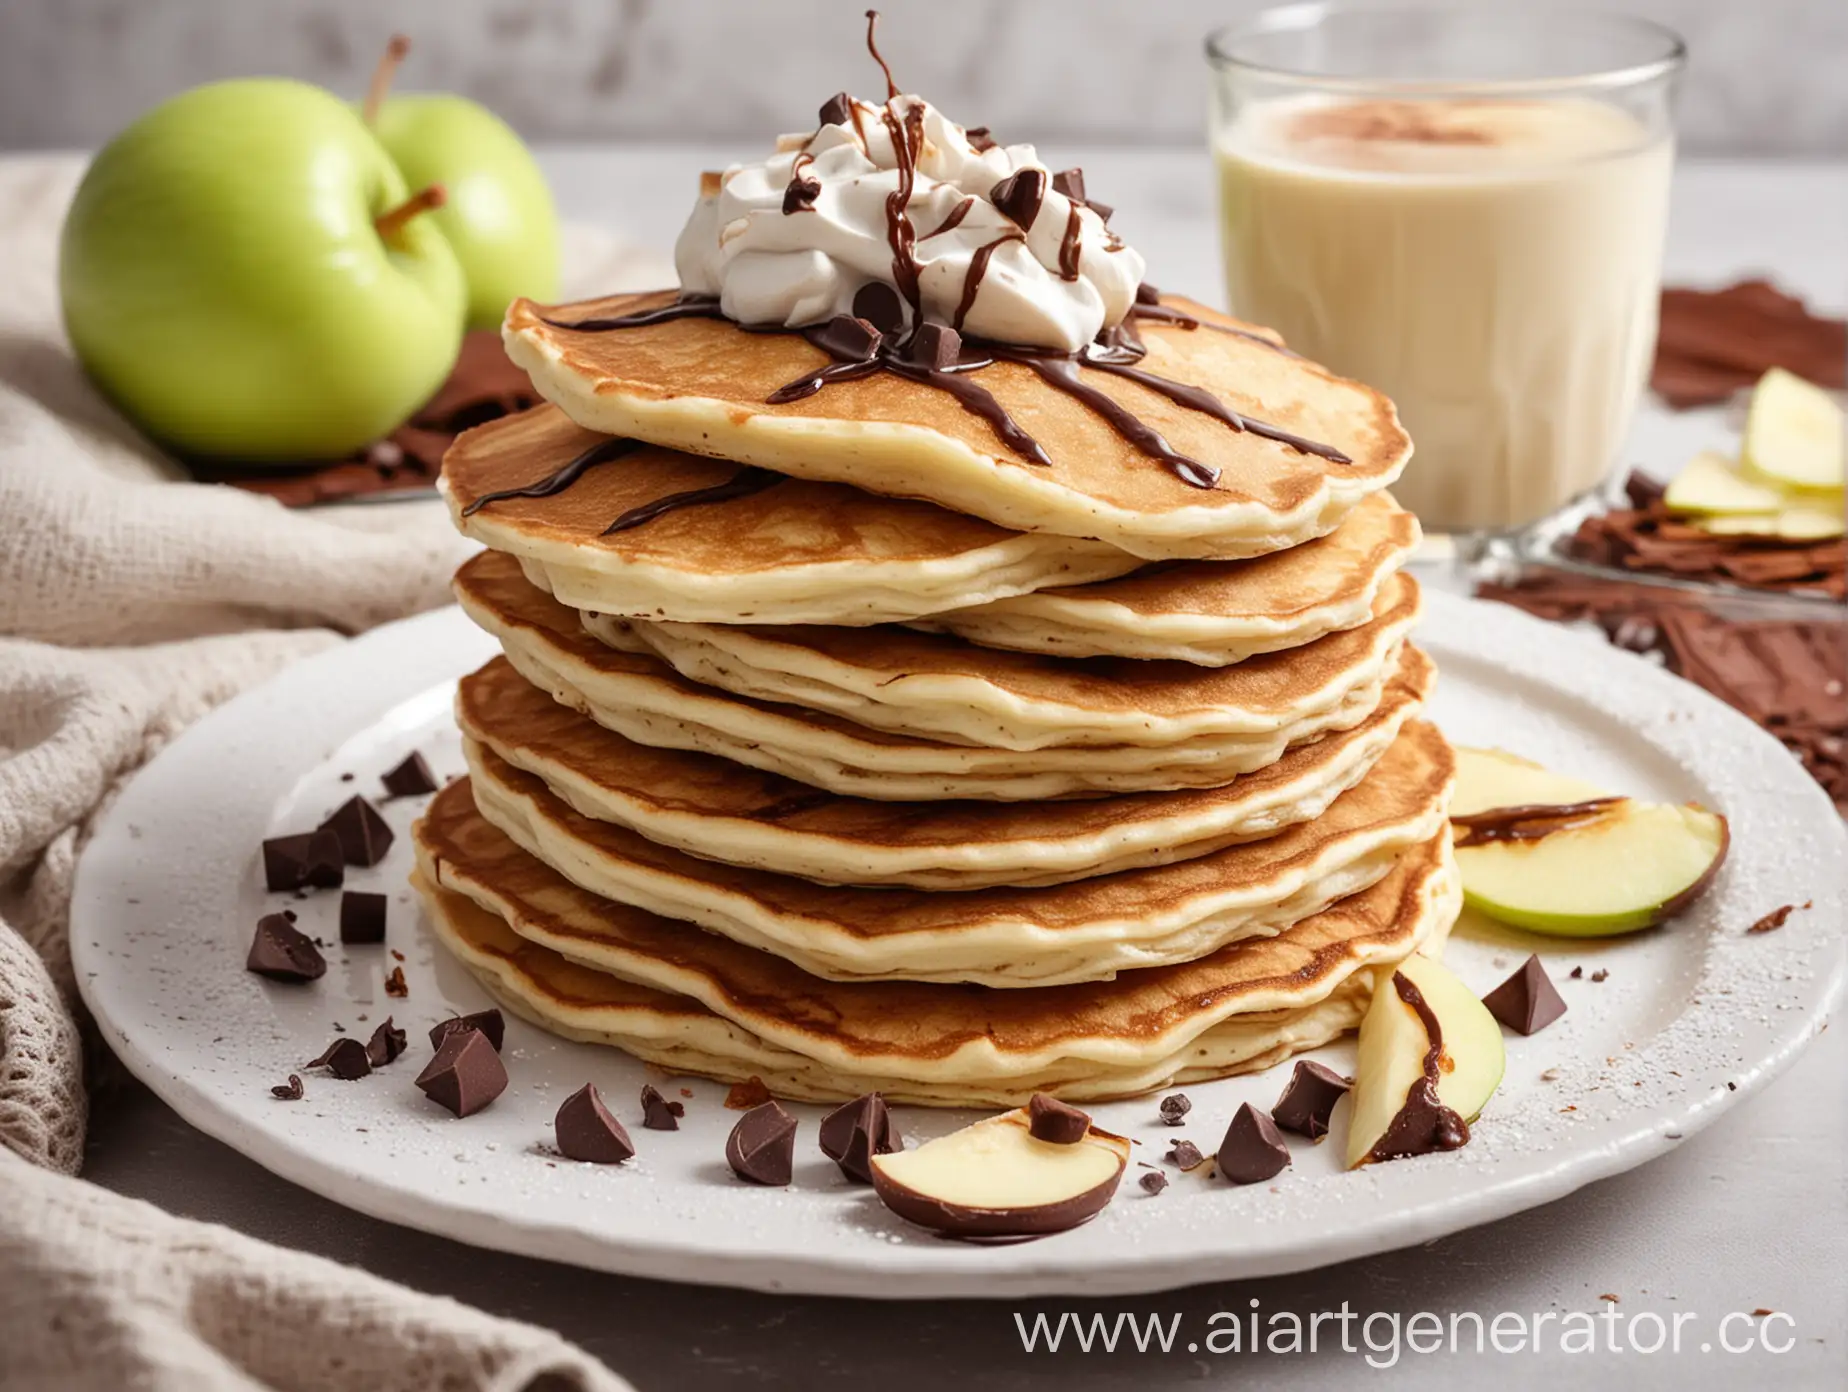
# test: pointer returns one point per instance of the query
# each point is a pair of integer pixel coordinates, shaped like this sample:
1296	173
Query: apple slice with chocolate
1430	1056
997	1179
1488	779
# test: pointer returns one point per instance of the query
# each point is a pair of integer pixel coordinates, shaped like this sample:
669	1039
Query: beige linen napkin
131	603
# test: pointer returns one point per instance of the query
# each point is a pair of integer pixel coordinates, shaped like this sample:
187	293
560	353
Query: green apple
224	281
1793	432
996	1179
1802	523
1630	868
499	219
1713	484
1390	1057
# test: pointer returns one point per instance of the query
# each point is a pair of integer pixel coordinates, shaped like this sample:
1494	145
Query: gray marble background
1768	77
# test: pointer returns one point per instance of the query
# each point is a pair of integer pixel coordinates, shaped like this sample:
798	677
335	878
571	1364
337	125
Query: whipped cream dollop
793	240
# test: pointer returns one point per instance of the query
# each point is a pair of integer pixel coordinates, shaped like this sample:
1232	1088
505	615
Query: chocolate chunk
936	346
1577	973
395	984
1153	1181
750	1093
1253	1150
1049	1119
282	952
1601	975
1185	1154
853	1133
1019	195
307	860
1774	920
362	917
411	777
1070	182
1309	1098
762	1146
837	110
587	1131
1174	1109
1147	294
290	1091
1526	1002
386	1044
979	139
466	1074
1103	210
344	1058
847	339
659	1114
364	838
490	1022
879	305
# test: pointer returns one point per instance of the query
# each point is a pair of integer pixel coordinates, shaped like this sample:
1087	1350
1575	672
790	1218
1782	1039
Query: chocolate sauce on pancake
557	482
1424	1124
742	484
1528	823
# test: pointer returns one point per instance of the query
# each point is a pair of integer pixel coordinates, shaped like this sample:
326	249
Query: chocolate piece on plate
466	1074
490	1022
762	1146
306	860
364	838
362	917
854	1132
290	1091
386	1044
752	1092
1774	920
1309	1098
1253	1150
1185	1154
410	777
1049	1119
345	1058
1153	1181
936	346
282	952
1174	1109
587	1131
659	1114
847	338
395	984
1526	1002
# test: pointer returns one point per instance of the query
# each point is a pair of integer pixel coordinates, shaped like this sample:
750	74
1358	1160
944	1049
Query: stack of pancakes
841	743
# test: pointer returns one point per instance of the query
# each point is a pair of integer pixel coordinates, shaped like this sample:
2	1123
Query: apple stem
388	224
395	49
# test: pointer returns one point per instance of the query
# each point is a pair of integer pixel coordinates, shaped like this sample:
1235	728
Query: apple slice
1404	1102
1491	778
996	1179
1793	432
1630	868
1713	484
1806	522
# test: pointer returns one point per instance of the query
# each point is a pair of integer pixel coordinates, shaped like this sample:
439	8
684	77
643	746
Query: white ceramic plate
1690	1017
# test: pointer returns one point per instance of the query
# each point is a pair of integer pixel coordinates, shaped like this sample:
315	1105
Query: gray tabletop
1750	1216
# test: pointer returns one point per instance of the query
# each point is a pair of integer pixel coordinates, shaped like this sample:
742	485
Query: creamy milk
1492	266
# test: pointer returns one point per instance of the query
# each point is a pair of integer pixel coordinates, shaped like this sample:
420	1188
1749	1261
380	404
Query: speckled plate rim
1753	1002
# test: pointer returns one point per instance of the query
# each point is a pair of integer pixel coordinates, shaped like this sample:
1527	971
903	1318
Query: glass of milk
1465	208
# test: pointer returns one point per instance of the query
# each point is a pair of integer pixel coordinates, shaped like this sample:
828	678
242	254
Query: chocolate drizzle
1062	372
742	484
1528	823
872	47
600	453
1424	1124
972	278
800	195
953	221
1068	244
907	140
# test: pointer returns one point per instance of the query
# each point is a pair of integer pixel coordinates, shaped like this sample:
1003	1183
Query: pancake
1208	612
642	698
718	810
798	552
1086	930
940	687
962	1043
701	385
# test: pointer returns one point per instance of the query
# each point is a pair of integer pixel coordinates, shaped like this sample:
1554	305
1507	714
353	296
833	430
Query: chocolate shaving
1774	920
395	984
387	1044
290	1091
1712	343
748	1094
